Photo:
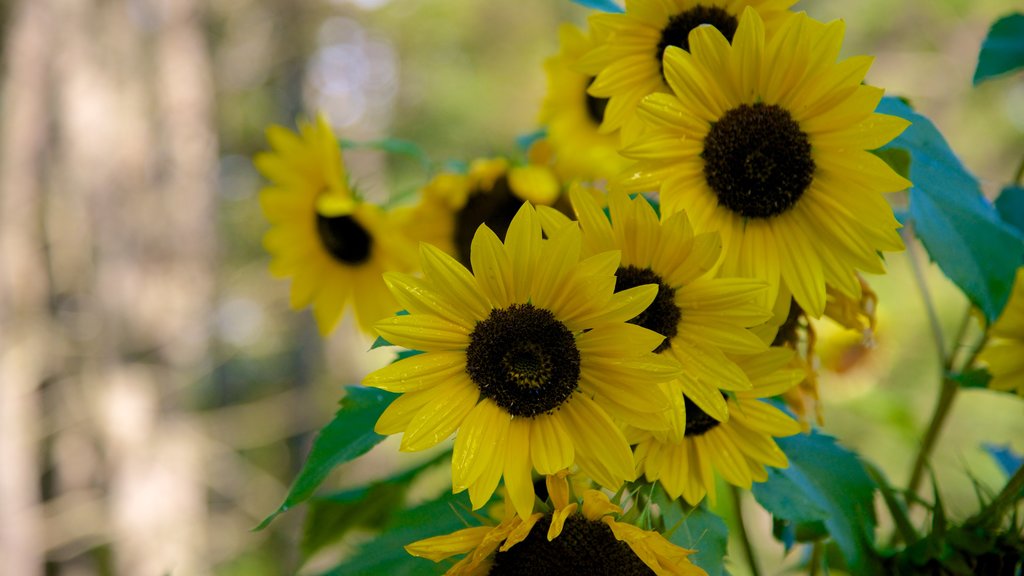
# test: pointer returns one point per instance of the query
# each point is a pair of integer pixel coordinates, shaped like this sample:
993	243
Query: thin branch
1007	497
926	296
817	557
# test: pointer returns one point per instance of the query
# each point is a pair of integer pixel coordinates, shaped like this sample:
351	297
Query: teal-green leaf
602	5
1003	48
391	146
696	529
1010	205
825	482
386	554
371	506
1008	460
349	435
961	229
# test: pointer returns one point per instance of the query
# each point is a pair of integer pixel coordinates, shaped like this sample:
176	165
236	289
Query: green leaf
1003	48
825	483
349	435
385	554
524	141
694	528
960	228
1010	206
391	146
370	506
602	5
973	378
897	158
1008	460
896	505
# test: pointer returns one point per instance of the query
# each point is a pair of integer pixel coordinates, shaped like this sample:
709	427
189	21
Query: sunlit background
156	394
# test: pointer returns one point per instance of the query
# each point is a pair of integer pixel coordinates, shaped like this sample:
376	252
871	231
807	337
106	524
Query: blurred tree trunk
107	258
24	285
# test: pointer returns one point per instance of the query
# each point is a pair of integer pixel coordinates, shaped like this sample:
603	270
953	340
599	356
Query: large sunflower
572	116
529	358
333	245
627	61
738	449
767	142
1005	353
702	318
569	539
454	204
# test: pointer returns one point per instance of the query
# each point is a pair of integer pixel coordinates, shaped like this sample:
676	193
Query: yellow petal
417	296
440	547
523	245
439	419
596	505
478	458
558	520
599	440
452	280
492	267
418	372
550	445
518	478
423	332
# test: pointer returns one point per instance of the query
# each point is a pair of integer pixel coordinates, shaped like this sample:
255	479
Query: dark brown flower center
523	359
584	547
494	207
677	31
663	315
344	239
757	160
697	421
595	106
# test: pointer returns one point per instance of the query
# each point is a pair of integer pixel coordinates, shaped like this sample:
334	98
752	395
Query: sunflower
738	449
454	204
798	333
701	318
768	144
627	60
572	116
530	358
1005	352
569	539
333	245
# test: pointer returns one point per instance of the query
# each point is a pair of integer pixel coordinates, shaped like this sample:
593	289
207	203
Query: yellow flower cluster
593	331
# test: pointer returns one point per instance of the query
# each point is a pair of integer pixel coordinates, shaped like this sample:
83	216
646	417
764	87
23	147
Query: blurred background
156	394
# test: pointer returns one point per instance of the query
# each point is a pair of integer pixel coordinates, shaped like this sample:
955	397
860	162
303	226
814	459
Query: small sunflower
572	116
570	539
798	333
627	60
333	245
738	449
767	142
454	204
529	357
701	318
1005	352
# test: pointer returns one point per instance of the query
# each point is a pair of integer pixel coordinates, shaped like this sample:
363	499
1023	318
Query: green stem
817	557
946	396
1018	178
748	549
1008	496
926	296
958	339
